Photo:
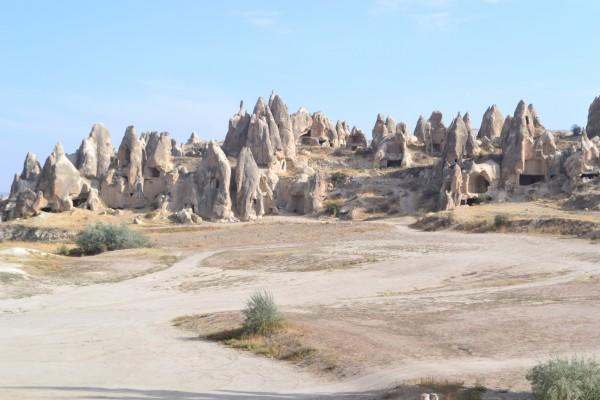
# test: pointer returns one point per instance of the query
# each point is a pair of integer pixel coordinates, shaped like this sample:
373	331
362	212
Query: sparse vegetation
333	207
563	379
262	317
576	129
500	220
63	250
338	178
98	238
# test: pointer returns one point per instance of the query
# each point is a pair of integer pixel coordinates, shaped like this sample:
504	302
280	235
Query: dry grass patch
286	343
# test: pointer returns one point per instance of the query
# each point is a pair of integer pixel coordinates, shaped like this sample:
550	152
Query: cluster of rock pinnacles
257	170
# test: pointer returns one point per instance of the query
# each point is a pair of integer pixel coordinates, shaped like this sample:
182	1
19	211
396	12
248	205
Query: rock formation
593	122
419	132
212	180
491	123
60	181
380	131
96	152
456	140
130	157
237	132
437	133
301	123
158	155
471	145
284	124
356	140
248	198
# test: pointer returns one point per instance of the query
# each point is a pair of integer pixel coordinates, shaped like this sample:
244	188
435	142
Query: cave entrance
525	180
478	184
590	175
394	163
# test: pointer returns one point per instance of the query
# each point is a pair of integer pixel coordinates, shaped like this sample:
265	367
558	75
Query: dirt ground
388	304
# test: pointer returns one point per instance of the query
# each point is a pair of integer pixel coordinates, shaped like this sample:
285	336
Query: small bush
560	379
500	220
63	250
576	130
333	207
338	178
262	317
98	238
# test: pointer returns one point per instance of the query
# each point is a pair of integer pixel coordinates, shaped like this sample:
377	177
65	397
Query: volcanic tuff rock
248	196
301	123
237	132
60	181
471	145
96	152
437	132
212	180
593	122
130	157
419	132
491	123
158	155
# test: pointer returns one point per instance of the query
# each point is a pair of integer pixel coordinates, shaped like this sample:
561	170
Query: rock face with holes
491	123
60	181
356	140
212	180
593	122
393	150
301	123
302	193
158	154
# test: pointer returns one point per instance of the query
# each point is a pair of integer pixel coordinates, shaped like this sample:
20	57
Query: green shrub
500	220
333	207
338	178
261	314
561	379
98	238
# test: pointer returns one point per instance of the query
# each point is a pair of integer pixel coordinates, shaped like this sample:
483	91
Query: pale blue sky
184	65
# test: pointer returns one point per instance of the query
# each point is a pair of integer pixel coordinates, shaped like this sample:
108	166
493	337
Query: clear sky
183	66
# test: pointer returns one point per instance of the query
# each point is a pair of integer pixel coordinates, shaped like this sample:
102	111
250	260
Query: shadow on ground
98	393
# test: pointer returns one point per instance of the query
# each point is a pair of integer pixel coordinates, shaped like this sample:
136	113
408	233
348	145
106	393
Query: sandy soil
479	307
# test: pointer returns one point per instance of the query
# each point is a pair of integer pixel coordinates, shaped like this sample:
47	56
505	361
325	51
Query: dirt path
115	340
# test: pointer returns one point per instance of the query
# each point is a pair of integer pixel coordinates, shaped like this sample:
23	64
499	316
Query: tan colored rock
301	123
96	153
60	181
130	157
491	123
29	176
342	130
356	140
380	131
437	132
419	132
237	132
158	155
93	201
471	145
456	140
249	201
284	124
212	180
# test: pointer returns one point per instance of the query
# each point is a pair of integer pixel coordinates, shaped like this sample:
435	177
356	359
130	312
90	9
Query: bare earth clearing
383	303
